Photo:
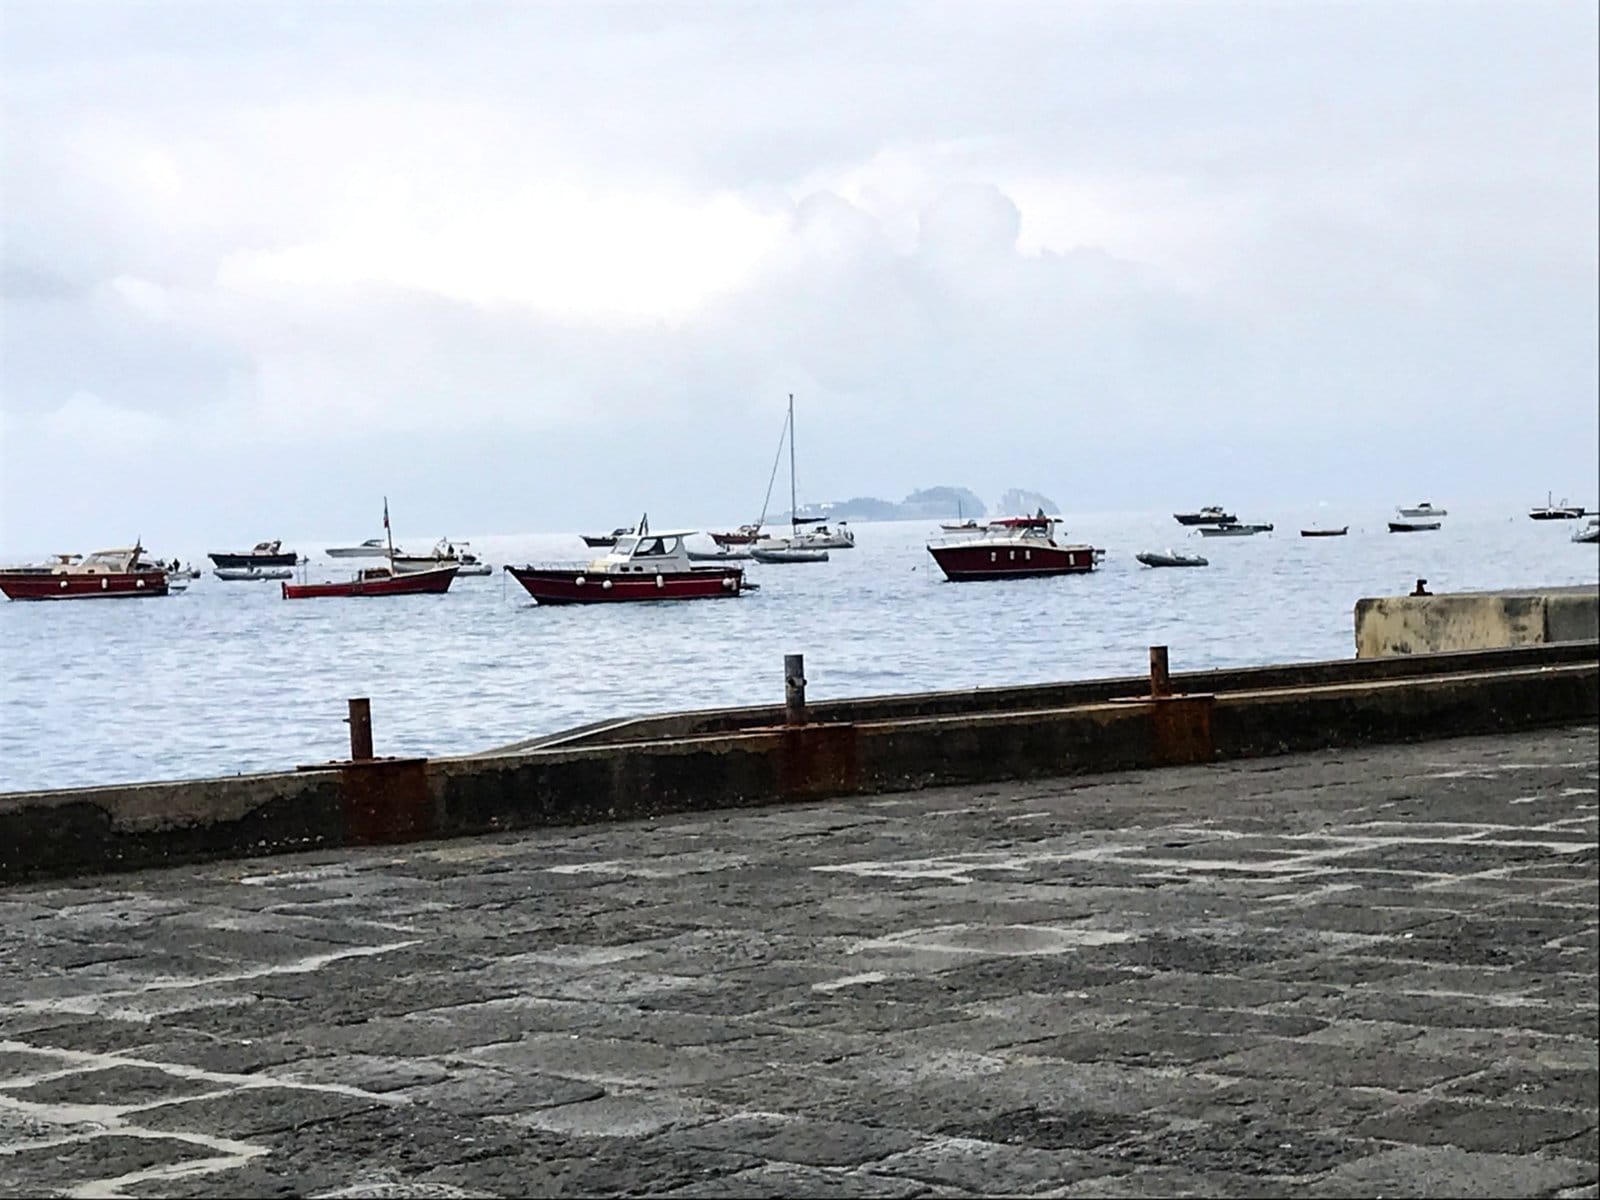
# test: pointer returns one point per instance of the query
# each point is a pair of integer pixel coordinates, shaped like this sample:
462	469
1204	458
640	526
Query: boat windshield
625	545
107	560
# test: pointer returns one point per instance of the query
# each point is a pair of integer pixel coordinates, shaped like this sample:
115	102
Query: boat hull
1211	531
962	564
1172	560
564	585
44	585
411	566
252	574
1203	518
357	552
420	583
1557	514
780	554
1325	532
1412	526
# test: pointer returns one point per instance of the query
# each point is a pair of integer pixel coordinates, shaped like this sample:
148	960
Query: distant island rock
1019	500
934	503
928	503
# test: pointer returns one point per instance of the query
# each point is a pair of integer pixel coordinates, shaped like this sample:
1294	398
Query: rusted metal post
794	689
360	728
1160	677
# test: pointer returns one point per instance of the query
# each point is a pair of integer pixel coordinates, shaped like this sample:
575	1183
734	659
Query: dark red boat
742	536
649	566
103	575
1012	548
379	581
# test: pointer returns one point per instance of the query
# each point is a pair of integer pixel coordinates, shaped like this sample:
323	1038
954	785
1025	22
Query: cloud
244	232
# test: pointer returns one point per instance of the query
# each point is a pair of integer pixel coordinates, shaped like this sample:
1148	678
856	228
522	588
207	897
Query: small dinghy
788	554
245	574
1171	558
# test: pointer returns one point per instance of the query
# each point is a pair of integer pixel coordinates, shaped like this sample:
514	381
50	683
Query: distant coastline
930	503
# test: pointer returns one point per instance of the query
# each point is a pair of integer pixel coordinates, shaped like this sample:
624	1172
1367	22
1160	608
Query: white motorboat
1589	533
445	552
1234	530
248	574
371	548
1423	510
1171	558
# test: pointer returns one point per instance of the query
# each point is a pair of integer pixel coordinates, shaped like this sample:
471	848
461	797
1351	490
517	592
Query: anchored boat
1171	558
252	574
265	554
444	553
386	580
1413	526
1551	511
601	541
1012	548
640	567
377	581
104	575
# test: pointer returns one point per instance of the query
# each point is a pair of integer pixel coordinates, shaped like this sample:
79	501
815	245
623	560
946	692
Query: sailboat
809	538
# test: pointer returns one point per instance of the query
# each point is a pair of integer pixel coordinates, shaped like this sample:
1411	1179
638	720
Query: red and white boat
104	575
379	581
1012	548
742	536
648	566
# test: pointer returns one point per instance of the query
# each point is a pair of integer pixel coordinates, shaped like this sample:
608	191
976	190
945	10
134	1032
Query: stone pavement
1357	973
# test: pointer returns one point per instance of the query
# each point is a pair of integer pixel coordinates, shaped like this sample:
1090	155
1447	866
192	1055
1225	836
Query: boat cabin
121	561
658	552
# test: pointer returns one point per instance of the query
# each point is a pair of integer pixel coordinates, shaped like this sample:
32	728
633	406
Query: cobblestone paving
1362	973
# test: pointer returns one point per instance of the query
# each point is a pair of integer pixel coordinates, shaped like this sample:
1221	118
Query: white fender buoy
104	584
606	585
579	581
660	582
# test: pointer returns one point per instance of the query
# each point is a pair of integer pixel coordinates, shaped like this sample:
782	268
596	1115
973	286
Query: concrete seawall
744	757
1395	625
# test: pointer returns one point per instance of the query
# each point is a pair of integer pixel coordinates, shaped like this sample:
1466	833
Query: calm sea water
229	677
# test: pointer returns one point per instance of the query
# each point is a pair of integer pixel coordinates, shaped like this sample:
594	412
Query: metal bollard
360	719
1160	677
794	689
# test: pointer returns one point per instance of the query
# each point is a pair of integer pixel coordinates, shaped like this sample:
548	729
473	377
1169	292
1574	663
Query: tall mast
389	533
794	512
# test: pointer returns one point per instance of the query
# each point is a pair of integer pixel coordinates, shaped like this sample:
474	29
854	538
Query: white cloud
295	225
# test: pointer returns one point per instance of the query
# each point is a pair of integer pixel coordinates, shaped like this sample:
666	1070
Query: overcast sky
530	267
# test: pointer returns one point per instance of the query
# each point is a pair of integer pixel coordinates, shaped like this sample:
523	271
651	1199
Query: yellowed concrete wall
1388	625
